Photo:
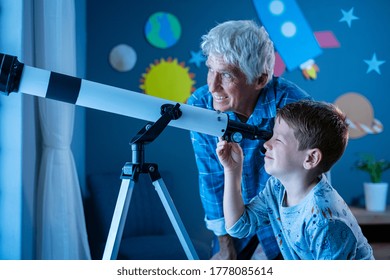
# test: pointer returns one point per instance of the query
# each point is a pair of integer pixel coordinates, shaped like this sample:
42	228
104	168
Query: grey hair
243	44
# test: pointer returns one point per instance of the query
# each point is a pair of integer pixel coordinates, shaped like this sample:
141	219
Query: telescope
20	78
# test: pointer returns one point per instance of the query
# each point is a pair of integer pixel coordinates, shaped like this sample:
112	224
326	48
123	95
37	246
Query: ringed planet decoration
360	115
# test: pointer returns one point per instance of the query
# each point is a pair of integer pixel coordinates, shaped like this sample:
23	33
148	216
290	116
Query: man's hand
226	249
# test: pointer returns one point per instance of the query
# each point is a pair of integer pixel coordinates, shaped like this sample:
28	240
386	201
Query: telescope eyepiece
236	131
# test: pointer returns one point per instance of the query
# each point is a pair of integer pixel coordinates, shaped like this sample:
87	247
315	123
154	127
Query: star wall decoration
373	64
348	17
197	58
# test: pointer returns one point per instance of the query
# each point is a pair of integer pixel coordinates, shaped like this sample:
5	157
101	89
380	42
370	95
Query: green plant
372	166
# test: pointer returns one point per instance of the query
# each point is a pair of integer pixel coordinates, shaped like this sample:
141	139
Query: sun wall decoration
168	79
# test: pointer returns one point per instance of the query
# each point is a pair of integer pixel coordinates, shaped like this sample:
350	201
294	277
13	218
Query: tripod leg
175	219
118	220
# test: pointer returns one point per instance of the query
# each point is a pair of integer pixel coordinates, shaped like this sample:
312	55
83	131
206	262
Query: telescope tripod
130	175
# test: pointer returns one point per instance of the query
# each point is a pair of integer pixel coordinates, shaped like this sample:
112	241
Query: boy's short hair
318	125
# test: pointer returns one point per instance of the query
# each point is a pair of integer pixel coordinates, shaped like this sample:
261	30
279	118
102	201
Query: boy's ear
313	158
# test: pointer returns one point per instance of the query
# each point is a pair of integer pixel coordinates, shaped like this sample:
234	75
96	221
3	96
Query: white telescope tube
17	77
93	95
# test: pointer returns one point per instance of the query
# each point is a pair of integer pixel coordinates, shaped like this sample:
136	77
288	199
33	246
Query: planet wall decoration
122	58
360	115
162	30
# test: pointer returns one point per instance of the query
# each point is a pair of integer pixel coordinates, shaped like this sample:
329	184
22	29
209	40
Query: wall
342	70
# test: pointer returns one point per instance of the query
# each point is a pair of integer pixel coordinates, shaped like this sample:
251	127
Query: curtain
61	229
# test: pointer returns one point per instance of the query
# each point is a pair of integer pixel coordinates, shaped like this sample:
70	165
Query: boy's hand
230	155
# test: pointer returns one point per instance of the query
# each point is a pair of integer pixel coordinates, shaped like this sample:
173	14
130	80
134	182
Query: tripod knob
173	110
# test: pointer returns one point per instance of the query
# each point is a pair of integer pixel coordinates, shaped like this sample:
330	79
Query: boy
309	218
240	82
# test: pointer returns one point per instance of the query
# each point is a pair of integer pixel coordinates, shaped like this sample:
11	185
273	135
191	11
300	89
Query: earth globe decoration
162	30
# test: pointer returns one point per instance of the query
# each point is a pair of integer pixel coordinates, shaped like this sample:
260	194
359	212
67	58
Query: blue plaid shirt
277	93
